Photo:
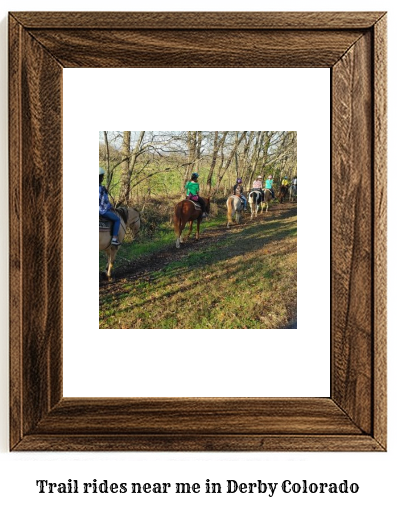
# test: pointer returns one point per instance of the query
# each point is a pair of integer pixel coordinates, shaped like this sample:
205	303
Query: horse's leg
179	237
109	267
198	229
181	227
190	229
105	271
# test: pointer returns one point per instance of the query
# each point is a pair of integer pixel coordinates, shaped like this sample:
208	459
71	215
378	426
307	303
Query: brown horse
283	193
186	211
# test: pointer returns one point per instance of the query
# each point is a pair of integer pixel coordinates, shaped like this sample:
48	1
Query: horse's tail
178	220
251	198
229	209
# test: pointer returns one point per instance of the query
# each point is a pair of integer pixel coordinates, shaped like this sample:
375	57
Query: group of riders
192	188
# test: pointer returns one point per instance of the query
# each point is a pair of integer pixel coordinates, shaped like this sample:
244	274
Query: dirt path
135	268
143	268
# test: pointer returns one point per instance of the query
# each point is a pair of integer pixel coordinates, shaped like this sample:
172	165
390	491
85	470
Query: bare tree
129	164
218	145
143	163
223	169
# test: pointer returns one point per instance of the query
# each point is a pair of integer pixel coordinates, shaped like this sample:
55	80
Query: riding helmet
195	176
101	171
239	180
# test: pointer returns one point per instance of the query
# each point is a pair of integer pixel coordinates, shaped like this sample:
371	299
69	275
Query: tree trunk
218	144
192	146
128	165
229	160
109	172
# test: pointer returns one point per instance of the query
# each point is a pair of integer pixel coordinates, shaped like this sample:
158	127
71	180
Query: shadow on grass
222	263
135	251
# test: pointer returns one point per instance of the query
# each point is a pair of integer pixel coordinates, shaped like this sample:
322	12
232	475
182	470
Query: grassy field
242	278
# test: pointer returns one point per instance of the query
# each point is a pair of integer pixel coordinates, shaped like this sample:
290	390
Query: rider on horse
269	185
285	182
238	190
192	192
105	209
258	186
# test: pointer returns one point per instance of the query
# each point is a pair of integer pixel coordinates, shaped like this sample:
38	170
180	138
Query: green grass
162	238
246	280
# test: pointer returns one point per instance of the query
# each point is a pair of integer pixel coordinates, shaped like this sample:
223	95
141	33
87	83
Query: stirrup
115	242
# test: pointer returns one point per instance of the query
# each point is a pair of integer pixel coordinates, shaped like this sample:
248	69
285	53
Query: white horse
129	217
234	209
255	200
293	193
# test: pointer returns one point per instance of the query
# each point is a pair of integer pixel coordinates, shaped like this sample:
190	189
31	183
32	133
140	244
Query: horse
129	217
234	209
267	198
283	193
255	200
188	211
293	193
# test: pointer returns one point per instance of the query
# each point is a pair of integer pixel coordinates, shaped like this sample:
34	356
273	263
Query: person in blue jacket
105	209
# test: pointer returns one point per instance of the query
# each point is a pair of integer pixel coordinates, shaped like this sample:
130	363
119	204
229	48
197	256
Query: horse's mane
123	212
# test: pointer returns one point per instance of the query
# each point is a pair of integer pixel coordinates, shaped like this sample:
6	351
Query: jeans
115	219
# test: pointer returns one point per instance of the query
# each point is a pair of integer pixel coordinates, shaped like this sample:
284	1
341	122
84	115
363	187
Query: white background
373	472
154	362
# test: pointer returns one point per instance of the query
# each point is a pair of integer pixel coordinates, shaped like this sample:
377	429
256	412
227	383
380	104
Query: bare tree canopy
156	163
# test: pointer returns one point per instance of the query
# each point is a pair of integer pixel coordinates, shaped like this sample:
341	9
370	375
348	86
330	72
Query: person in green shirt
269	185
192	192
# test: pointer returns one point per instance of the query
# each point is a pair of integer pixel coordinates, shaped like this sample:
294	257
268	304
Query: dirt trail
142	267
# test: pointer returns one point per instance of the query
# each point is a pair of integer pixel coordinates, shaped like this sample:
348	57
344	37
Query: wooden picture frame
353	46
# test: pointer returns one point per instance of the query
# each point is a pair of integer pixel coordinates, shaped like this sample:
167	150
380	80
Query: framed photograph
353	46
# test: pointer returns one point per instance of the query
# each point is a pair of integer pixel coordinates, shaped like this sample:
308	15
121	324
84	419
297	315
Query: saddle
106	225
196	204
257	191
240	197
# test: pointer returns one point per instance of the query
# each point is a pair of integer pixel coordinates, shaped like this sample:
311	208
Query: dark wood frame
353	46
